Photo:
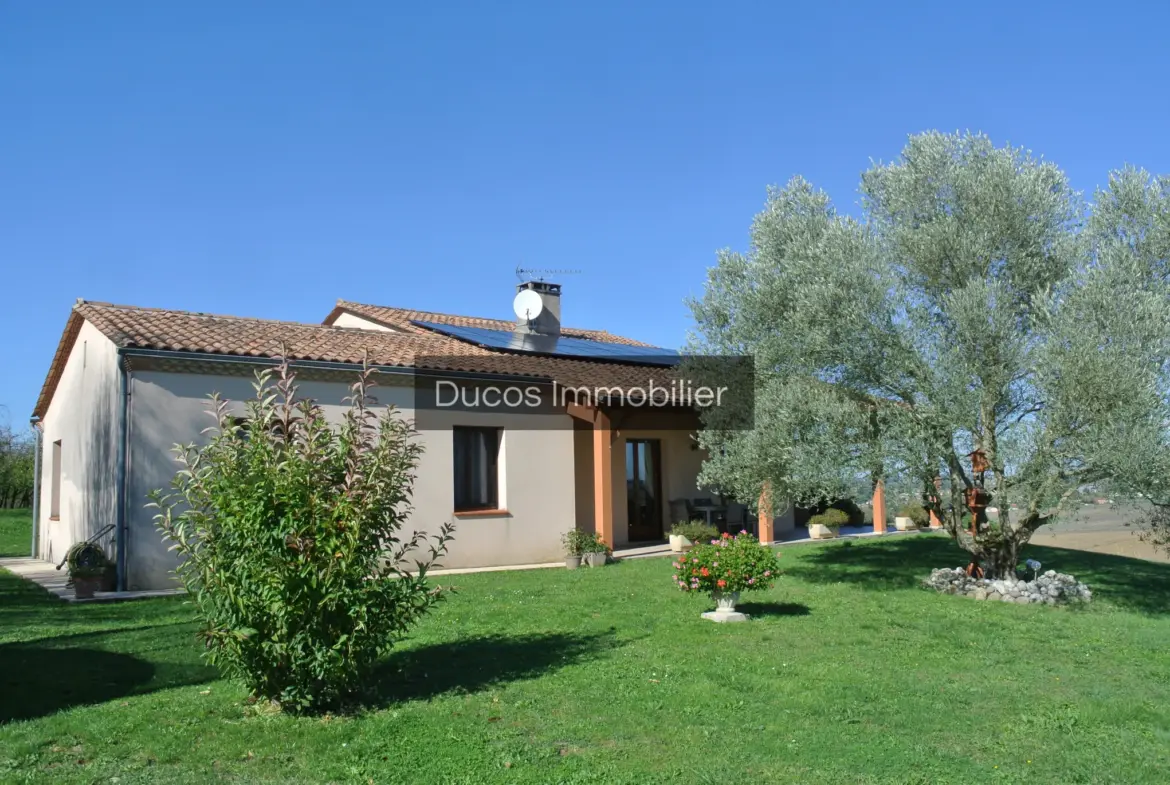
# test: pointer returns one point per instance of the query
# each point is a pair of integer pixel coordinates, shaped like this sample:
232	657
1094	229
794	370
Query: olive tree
979	303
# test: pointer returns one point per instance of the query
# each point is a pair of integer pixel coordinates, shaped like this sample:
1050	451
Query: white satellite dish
527	305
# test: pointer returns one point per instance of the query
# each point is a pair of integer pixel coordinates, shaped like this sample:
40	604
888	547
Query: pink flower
767	573
720	583
751	581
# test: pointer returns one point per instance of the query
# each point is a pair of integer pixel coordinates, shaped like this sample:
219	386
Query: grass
849	674
15	532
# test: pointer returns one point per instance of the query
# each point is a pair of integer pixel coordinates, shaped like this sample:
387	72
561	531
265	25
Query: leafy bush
695	531
833	518
578	542
594	543
289	531
86	560
737	563
915	512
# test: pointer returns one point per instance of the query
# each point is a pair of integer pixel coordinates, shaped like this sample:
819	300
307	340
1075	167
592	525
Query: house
127	383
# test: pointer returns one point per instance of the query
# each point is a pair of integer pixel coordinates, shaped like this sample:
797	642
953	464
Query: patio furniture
714	514
680	511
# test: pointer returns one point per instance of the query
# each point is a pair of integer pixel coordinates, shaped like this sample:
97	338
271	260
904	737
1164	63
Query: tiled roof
185	331
401	318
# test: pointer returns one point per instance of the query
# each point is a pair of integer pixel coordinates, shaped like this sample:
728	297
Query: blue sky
267	158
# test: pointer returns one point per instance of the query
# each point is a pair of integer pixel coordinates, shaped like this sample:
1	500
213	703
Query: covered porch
629	466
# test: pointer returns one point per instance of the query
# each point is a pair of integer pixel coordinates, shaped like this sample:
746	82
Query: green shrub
915	512
696	531
833	518
578	542
86	560
594	543
733	564
289	533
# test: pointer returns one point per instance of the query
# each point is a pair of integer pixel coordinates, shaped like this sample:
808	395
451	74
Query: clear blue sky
267	158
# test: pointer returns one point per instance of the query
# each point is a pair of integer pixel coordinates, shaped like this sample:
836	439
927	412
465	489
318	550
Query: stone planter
818	532
725	608
572	562
905	524
680	544
595	559
85	586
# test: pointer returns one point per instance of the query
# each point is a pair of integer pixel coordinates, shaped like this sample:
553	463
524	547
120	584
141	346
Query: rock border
1049	588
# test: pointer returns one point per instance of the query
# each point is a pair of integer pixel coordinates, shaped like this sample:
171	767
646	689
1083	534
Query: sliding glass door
644	489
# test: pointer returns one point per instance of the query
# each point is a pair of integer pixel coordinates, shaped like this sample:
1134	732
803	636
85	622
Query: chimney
548	318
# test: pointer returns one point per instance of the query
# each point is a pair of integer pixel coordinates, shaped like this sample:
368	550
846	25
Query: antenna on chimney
535	274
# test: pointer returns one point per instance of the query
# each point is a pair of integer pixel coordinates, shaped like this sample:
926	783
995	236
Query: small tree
289	533
979	305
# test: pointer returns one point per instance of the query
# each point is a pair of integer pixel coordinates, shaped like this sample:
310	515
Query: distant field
15	531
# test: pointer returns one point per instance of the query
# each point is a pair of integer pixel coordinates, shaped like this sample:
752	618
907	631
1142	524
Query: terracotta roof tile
401	318
185	331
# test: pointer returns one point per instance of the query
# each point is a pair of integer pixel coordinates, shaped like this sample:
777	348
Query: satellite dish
527	305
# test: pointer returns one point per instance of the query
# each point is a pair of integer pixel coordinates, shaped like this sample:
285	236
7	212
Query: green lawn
15	532
849	674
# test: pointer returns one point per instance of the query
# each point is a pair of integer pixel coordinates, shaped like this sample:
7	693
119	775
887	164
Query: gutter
328	365
35	424
120	532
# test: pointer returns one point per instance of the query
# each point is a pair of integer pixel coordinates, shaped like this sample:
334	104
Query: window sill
482	514
54	517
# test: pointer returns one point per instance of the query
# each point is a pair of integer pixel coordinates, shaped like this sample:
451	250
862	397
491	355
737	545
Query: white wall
167	408
83	415
347	319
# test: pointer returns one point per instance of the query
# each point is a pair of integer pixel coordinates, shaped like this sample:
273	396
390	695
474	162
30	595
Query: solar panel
557	346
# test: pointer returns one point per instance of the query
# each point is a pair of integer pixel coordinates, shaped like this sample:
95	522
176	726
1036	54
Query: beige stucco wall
536	472
347	319
83	415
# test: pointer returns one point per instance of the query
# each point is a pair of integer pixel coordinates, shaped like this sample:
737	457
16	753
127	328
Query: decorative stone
980	593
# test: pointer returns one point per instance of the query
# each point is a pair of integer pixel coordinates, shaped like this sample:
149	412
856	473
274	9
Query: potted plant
911	517
88	565
575	542
825	525
685	534
724	569
596	551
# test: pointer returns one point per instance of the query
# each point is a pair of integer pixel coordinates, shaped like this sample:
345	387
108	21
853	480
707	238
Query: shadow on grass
760	609
473	664
36	680
1131	584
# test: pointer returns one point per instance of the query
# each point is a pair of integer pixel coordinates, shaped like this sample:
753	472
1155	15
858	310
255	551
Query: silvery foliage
979	302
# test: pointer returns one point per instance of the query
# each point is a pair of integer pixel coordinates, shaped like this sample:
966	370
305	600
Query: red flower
720	583
704	572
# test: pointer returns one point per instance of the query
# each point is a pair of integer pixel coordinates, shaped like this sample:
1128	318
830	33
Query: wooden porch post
879	507
935	521
603	476
766	533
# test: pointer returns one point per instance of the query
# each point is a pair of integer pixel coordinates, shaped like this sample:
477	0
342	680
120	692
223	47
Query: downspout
35	423
120	535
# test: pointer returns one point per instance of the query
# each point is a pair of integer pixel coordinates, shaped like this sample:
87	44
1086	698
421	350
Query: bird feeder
979	462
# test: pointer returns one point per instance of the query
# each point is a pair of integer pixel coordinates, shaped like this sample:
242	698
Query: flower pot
595	559
818	532
572	562
680	544
905	524
725	608
85	586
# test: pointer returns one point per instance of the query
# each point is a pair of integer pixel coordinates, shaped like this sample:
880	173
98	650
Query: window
477	458
55	482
